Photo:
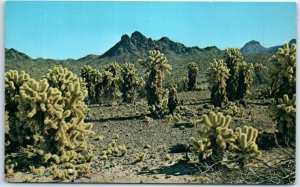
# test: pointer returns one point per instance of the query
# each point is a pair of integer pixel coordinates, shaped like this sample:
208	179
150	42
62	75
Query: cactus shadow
177	169
120	118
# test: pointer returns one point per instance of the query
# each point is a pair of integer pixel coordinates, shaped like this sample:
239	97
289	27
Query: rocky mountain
137	45
275	48
12	54
254	47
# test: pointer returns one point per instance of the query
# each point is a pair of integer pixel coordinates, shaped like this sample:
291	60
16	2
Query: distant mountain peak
137	45
13	54
137	35
253	46
252	42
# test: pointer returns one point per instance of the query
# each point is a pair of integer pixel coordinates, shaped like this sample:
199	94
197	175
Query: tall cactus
48	124
172	98
157	67
285	117
93	79
260	72
192	76
111	83
131	84
217	74
283	71
233	59
245	80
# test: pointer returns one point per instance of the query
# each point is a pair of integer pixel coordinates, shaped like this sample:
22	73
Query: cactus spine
157	67
217	74
192	76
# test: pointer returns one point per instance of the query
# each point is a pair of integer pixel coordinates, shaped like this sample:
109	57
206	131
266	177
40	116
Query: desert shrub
172	98
111	83
92	77
157	97
284	113
217	75
260	73
245	80
218	140
47	127
192	76
233	59
282	72
131	84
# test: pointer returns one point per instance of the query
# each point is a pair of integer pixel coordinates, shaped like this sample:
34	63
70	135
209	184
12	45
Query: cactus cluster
111	83
233	59
282	71
285	116
192	76
260	72
217	138
231	78
218	74
132	83
157	67
93	78
245	146
47	123
245	80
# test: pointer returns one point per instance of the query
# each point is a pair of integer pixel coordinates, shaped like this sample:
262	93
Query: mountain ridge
136	46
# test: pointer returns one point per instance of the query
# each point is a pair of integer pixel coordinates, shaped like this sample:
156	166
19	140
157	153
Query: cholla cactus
217	74
172	98
111	83
192	75
216	136
13	81
218	139
260	72
201	147
283	71
233	59
48	125
285	116
245	80
93	78
157	66
132	83
245	146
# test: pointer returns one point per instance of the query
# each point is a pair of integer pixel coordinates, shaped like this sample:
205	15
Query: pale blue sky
63	30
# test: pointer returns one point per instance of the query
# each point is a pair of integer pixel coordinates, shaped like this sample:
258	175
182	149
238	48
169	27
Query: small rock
147	146
168	176
177	173
181	127
155	177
